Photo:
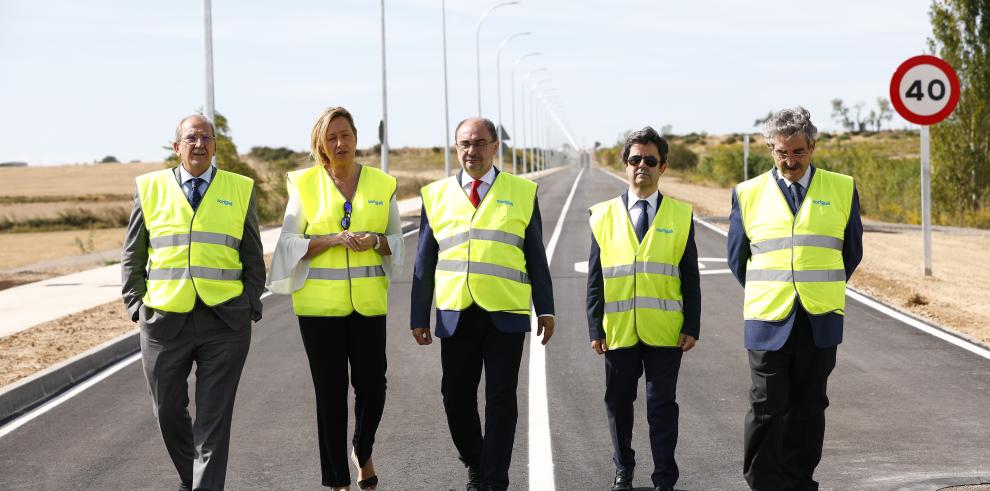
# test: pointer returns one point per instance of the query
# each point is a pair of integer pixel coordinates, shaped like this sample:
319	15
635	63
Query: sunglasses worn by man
650	160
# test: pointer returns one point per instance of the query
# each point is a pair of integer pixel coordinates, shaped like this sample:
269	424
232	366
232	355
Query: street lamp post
477	45
532	115
512	87
498	89
384	98
446	107
209	108
522	119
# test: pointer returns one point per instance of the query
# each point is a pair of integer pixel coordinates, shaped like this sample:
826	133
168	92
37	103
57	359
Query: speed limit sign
924	90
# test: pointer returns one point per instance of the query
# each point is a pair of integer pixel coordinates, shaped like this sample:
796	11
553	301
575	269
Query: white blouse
289	270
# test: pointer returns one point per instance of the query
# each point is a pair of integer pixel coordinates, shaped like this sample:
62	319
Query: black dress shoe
474	479
623	480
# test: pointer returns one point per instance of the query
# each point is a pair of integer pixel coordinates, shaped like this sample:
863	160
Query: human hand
686	342
361	241
600	346
544	326
422	335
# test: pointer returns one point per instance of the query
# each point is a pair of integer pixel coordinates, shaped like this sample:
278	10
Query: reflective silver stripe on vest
480	234
214	273
367	271
341	273
453	240
197	271
482	268
798	240
618	271
661	268
168	274
810	276
645	267
643	303
201	237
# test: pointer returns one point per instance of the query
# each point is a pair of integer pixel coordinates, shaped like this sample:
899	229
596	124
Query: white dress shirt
804	181
206	176
289	270
486	182
651	207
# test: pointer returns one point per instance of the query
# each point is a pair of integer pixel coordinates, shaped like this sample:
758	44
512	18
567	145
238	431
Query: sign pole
926	198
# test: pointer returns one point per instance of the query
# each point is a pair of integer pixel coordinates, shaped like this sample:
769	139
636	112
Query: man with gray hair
795	238
193	272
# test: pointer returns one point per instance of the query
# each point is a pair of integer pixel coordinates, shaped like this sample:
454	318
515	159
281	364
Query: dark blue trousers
623	368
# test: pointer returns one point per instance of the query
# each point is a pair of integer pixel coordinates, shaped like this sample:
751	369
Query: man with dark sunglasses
644	305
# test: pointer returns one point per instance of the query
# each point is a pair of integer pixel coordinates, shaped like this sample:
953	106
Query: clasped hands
355	241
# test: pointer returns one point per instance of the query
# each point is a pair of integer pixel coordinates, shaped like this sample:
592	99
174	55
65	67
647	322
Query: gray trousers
198	450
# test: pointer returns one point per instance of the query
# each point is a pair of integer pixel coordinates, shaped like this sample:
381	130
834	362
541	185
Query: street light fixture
477	45
522	120
446	106
498	89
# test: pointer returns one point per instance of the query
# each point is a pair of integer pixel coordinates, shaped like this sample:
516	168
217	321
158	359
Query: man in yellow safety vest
193	272
481	251
644	304
795	238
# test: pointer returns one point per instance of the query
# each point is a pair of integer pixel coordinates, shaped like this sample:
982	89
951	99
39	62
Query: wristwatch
378	242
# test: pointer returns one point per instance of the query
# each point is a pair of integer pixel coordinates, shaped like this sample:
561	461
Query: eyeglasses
795	155
192	140
466	145
650	160
345	222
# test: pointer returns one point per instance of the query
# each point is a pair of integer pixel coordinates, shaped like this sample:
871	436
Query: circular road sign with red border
924	90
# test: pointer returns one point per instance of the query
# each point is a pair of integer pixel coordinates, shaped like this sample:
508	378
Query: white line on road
540	449
52	404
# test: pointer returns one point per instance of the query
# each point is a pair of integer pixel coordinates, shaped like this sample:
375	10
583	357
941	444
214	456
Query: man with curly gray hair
795	238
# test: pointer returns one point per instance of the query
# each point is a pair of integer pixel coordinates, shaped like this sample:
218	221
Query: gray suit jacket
237	312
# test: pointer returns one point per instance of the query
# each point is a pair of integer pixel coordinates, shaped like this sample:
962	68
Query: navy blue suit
473	339
624	366
790	361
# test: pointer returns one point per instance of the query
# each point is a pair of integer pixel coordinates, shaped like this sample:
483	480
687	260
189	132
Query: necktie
192	193
475	197
797	195
643	222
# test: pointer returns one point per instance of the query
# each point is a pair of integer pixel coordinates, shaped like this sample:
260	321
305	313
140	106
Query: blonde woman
341	241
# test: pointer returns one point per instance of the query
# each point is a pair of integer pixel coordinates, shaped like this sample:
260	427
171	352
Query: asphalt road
909	411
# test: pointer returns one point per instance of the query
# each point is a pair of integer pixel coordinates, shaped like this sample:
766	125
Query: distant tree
884	112
109	159
666	130
961	143
861	121
840	114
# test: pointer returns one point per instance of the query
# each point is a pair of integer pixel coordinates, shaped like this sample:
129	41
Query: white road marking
540	449
52	404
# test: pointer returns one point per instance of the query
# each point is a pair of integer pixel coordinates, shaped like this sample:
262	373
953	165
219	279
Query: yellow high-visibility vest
795	257
481	259
340	280
643	300
193	253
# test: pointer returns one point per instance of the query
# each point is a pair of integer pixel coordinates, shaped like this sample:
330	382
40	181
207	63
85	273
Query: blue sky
82	80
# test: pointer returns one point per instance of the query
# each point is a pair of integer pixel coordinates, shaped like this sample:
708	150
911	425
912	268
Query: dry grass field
73	180
18	250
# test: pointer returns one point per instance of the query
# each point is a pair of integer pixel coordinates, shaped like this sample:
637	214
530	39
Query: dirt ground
955	297
18	250
72	180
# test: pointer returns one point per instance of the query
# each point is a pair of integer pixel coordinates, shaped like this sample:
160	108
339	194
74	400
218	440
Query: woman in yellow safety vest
340	243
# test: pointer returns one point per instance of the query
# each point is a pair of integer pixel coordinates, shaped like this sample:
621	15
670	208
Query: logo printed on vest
821	202
225	202
504	202
376	202
665	230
